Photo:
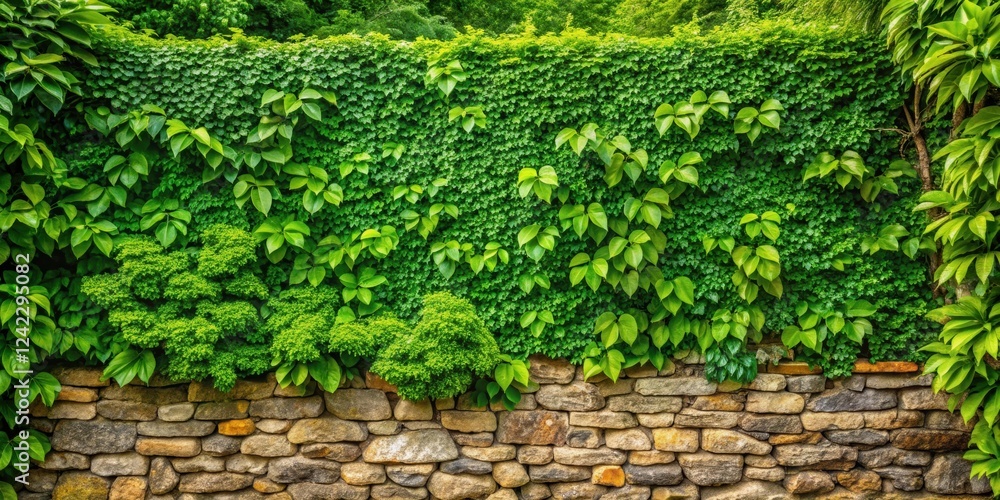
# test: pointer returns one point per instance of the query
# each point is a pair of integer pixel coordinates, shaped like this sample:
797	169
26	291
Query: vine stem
915	121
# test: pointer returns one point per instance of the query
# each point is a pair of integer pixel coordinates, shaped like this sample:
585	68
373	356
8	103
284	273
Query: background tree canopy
442	19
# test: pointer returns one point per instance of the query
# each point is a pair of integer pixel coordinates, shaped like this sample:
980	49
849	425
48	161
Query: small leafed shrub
442	355
201	309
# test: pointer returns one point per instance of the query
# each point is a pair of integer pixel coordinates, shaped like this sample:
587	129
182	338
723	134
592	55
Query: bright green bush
205	320
442	355
831	82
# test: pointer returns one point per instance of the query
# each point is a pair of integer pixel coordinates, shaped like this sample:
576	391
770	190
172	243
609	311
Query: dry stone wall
668	435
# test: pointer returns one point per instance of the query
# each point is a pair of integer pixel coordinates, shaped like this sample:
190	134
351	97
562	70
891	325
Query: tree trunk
915	122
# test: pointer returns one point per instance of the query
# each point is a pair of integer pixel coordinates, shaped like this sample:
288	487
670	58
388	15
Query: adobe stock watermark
21	461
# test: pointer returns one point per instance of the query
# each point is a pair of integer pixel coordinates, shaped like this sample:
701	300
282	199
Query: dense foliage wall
834	85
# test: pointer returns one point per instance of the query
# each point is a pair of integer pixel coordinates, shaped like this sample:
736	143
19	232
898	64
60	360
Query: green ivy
830	83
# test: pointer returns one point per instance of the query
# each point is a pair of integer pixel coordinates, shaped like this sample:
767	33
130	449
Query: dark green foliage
176	302
187	18
658	18
281	19
730	361
832	84
447	350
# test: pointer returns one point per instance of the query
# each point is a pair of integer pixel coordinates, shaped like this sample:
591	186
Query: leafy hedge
835	86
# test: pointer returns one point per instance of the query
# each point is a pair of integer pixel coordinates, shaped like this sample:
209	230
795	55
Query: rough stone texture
287	408
456	487
168	447
929	440
241	427
887	381
652	457
558	473
709	469
867	437
243	389
637	403
727	441
745	490
313	491
773	474
327	429
413	410
806	383
80	376
191	428
200	463
120	464
583	437
358	404
469	421
654	475
157	396
775	402
210	482
303	470
678	440
510	474
809	483
178	412
577	396
222	410
412	447
821	456
551	371
467	466
608	475
81	486
583	456
768	382
627	439
893	419
848	400
818	421
162	476
779	424
922	399
411	476
675	386
534	455
860	480
397	492
718	419
532	427
647	435
123	410
58	460
655	420
93	437
495	453
603	419
267	445
949	475
724	401
128	488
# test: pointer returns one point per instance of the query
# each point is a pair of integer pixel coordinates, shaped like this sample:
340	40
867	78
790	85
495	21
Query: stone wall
649	435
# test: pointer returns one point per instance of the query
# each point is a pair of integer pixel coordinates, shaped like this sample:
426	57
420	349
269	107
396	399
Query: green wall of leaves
835	86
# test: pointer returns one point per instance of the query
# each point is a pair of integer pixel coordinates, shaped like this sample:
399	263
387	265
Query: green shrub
300	321
202	311
443	354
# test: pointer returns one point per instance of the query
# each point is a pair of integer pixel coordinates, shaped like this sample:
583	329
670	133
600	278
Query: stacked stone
661	435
